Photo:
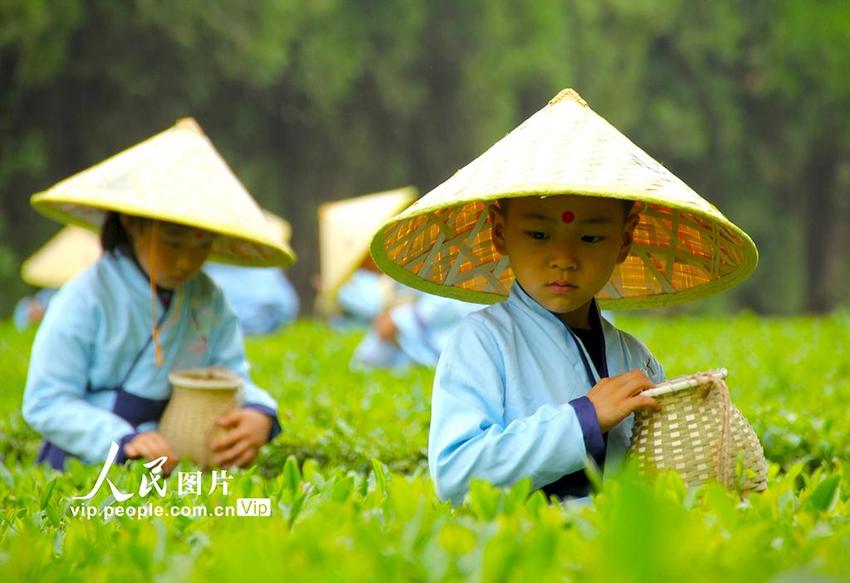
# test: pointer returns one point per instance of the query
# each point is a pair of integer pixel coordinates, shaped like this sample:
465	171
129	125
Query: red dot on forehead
568	217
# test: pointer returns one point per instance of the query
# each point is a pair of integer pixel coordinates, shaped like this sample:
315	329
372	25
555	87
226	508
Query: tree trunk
819	220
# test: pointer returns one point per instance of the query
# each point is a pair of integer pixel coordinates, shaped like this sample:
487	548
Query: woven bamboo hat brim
64	255
73	249
175	176
345	229
684	248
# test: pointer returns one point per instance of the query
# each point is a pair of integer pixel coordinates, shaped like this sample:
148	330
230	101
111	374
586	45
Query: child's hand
614	398
385	327
249	430
151	445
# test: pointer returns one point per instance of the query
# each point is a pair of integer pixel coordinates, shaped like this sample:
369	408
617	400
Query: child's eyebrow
590	221
539	217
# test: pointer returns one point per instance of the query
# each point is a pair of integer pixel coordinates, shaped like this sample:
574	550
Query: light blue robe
361	298
423	328
261	297
94	328
500	406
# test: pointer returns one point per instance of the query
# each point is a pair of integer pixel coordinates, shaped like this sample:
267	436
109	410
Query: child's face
563	249
175	253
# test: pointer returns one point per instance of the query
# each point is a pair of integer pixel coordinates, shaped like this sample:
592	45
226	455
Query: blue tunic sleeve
54	403
227	349
594	443
361	295
470	436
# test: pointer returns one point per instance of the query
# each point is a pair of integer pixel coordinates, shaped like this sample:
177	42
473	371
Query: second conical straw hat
345	229
175	176
66	254
684	247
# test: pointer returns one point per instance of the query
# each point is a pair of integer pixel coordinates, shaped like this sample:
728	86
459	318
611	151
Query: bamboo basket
698	433
199	397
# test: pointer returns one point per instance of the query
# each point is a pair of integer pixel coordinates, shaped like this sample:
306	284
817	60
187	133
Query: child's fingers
230	418
247	457
145	449
170	463
151	446
228	439
644	402
172	459
633	382
227	457
130	450
161	447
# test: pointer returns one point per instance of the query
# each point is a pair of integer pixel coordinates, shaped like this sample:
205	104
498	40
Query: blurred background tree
314	100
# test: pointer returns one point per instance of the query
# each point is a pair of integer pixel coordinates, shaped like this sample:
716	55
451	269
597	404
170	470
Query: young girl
101	358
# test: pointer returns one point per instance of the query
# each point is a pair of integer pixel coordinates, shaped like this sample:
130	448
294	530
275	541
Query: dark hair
113	235
628	205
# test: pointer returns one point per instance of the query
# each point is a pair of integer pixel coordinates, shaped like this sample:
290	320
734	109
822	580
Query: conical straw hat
64	255
282	228
175	176
345	229
73	249
684	249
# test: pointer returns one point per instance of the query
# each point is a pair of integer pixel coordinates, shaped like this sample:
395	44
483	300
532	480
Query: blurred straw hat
73	249
175	176
65	254
282	228
345	229
684	249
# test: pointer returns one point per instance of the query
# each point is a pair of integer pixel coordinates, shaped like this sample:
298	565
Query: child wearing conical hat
561	216
412	333
66	254
404	326
352	290
99	368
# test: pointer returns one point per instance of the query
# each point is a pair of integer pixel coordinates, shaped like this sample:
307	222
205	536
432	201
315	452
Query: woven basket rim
685	382
224	380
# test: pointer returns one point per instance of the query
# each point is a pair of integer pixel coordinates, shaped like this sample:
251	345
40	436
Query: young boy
524	409
560	213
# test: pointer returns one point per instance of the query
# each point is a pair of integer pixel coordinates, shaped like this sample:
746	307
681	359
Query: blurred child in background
404	326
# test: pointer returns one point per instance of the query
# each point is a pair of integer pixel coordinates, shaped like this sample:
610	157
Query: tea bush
351	498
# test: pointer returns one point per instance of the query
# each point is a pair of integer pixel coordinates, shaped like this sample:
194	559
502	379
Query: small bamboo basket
199	397
698	433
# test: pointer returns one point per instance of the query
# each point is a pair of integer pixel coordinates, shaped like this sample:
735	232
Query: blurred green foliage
748	102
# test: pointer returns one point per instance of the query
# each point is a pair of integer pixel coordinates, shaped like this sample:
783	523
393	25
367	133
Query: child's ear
497	228
628	236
